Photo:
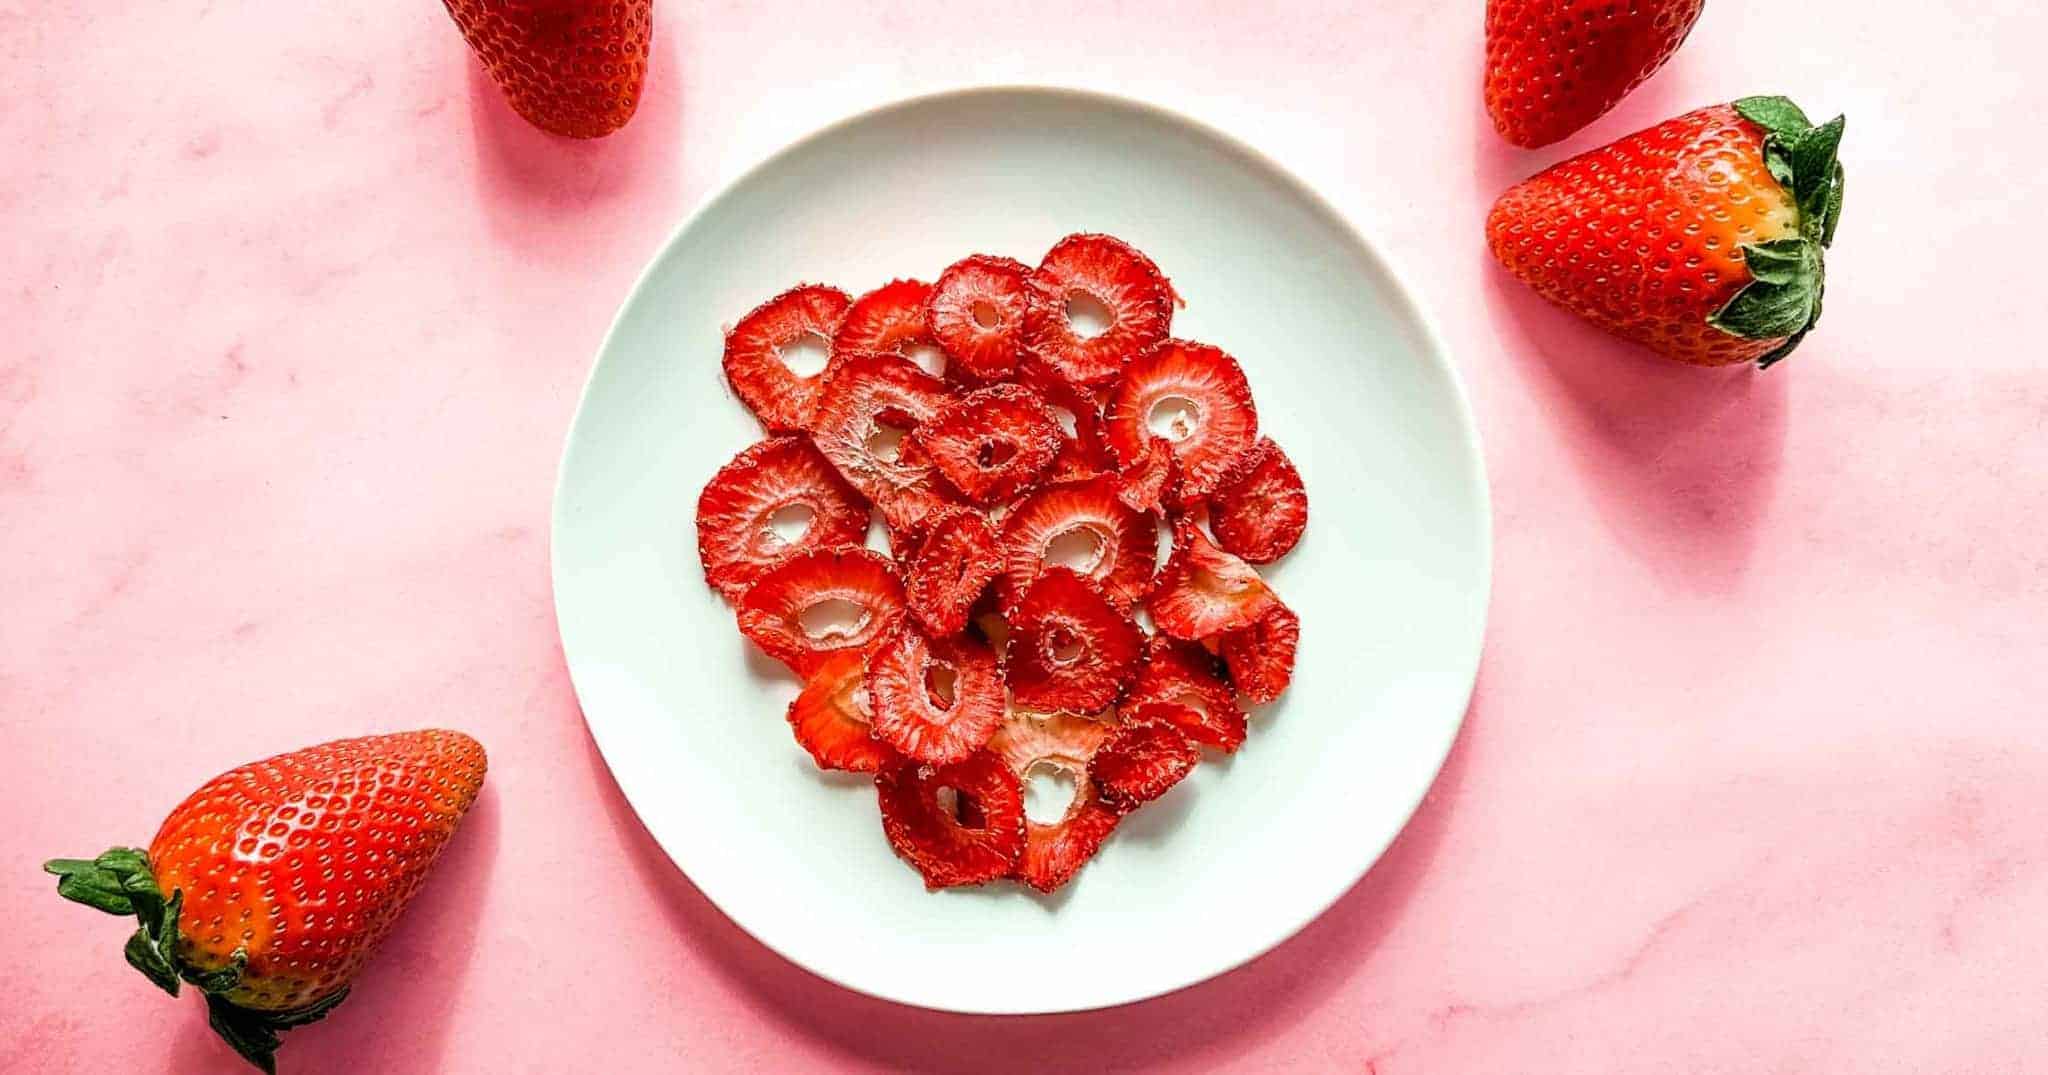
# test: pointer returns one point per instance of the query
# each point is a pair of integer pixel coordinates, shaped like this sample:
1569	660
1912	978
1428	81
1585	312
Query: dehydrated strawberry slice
953	561
821	600
1095	301
773	486
958	824
935	700
830	718
1204	591
1145	756
1151	482
993	443
1186	682
870	405
891	320
1069	647
1061	744
977	314
1085	526
782	399
1082	453
1260	512
1261	657
1196	397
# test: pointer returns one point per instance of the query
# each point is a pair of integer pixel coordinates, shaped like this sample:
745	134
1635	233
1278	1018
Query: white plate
1390	582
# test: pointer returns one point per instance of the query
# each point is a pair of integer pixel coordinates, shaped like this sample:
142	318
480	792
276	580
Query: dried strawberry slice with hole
1047	751
1084	526
870	406
957	824
764	355
1095	301
976	312
993	443
953	562
1261	511
891	320
1194	396
819	601
1083	452
830	718
1153	482
1261	657
1204	591
1070	648
936	700
773	500
1145	756
1186	681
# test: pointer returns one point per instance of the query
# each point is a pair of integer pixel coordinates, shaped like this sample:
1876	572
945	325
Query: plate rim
1408	301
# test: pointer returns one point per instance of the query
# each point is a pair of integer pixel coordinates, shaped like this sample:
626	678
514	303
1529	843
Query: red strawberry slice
958	824
1095	277
774	482
1083	452
1261	657
819	601
1196	397
1085	526
1145	757
1261	511
1063	744
977	313
891	320
936	700
870	405
953	562
1185	683
784	401
1204	591
1070	648
993	443
1153	481
830	718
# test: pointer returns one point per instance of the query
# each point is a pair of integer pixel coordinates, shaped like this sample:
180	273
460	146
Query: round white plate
1390	581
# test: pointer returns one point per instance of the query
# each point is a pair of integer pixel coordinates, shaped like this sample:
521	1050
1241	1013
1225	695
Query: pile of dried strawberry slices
1020	620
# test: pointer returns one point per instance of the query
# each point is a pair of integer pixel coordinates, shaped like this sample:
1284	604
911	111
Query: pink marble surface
294	317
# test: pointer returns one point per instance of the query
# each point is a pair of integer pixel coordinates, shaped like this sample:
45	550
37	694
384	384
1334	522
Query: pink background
295	312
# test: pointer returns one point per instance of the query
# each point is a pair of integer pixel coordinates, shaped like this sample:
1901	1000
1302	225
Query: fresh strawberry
991	444
977	313
1553	66
797	611
958	824
740	506
1260	512
1261	657
1153	480
571	67
936	700
870	405
890	320
1701	238
1070	647
1082	453
1083	525
1119	283
754	365
270	886
1145	756
1196	398
1182	683
1064	744
953	562
1204	591
831	721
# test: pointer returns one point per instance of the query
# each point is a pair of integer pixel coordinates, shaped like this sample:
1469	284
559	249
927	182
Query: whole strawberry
270	886
1553	66
571	67
1701	238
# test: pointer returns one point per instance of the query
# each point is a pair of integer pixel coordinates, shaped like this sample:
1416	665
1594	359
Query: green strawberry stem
119	882
1788	275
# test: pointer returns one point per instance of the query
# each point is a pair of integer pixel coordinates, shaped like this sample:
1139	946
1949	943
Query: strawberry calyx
1789	274
120	882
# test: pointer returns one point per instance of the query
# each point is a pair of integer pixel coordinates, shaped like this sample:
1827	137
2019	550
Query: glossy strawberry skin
1554	66
571	67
